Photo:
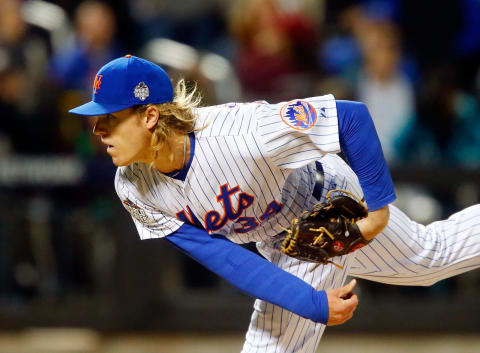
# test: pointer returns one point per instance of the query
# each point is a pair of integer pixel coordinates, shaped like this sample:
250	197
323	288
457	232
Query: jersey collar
182	173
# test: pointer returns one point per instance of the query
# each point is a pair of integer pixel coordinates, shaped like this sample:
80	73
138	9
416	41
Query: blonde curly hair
177	116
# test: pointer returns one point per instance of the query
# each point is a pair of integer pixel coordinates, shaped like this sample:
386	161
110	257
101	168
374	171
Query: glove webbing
292	241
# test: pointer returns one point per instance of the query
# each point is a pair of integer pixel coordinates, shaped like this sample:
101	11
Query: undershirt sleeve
360	144
251	273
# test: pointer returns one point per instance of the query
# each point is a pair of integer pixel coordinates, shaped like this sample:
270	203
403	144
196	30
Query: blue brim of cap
94	108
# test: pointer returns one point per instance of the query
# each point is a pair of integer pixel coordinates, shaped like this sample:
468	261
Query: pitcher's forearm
375	222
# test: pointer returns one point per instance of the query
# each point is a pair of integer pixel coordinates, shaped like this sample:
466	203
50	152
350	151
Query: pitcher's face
125	135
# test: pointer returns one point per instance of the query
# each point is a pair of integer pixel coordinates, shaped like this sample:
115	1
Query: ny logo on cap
97	83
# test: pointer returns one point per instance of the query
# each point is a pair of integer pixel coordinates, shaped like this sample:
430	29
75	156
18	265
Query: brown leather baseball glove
328	230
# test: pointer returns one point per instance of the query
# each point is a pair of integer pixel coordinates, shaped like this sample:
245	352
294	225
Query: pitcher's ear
151	116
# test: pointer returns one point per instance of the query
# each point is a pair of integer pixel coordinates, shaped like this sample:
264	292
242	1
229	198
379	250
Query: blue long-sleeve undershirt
251	273
361	146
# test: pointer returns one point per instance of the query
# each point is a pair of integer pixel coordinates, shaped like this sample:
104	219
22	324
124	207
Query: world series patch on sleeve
329	230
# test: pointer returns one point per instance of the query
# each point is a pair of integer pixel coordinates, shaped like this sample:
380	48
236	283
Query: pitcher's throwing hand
342	302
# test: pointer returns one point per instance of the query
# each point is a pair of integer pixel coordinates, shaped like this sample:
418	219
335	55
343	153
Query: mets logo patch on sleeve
299	115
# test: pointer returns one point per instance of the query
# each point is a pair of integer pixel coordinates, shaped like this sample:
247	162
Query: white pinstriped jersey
252	171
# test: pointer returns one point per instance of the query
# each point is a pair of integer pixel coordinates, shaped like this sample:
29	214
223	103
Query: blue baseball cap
125	82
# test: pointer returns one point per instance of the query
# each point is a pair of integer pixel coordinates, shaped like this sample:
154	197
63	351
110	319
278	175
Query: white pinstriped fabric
273	329
405	253
408	253
249	146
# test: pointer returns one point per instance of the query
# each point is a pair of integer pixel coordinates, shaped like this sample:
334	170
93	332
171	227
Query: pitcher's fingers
349	287
351	303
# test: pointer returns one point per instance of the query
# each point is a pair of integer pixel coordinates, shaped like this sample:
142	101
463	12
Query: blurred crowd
417	71
416	64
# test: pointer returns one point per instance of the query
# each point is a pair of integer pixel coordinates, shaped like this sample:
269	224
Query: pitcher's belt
319	179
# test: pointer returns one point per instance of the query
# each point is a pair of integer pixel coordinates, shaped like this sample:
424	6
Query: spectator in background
385	89
276	47
453	115
93	44
72	68
23	45
446	128
446	47
24	52
367	55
